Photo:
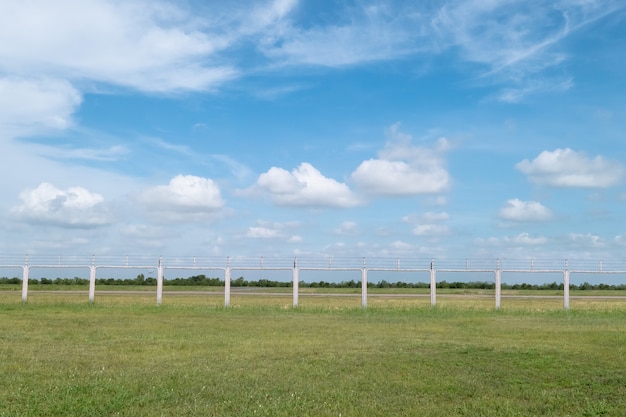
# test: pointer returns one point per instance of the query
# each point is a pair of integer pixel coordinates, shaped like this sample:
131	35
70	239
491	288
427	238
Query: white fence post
92	282
160	283
566	287
227	283
364	286
295	283
498	284
433	284
25	281
364	268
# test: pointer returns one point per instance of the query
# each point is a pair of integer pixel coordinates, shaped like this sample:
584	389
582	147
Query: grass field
400	357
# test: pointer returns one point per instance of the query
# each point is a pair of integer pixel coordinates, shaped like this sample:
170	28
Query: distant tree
239	282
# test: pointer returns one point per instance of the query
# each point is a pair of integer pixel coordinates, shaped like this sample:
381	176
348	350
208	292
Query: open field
334	297
125	356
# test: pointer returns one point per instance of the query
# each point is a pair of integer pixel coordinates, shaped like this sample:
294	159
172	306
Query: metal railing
497	267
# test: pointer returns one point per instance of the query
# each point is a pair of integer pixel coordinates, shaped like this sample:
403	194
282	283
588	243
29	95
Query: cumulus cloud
304	186
74	207
404	169
569	168
518	210
186	197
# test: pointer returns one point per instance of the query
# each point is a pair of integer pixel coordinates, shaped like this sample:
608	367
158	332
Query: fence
227	265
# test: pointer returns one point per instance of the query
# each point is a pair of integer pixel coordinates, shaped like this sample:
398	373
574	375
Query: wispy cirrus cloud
517	42
58	51
365	33
108	154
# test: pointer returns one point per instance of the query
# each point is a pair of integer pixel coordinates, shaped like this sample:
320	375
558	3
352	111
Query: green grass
125	356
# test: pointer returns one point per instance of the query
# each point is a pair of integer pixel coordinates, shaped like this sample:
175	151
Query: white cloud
404	169
146	45
295	239
304	186
258	232
620	240
346	228
518	210
401	246
428	217
513	40
430	230
501	34
74	207
368	34
516	94
568	168
30	105
588	240
111	153
428	224
523	239
59	49
526	239
431	216
268	14
274	230
398	178
517	41
185	198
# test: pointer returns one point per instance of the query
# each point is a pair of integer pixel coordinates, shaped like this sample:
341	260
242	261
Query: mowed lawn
125	356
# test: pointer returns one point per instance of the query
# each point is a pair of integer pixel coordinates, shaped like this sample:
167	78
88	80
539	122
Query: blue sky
478	129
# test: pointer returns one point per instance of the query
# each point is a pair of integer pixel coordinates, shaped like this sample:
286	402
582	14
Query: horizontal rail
363	264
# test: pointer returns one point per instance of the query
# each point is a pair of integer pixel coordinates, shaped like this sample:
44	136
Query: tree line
204	281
